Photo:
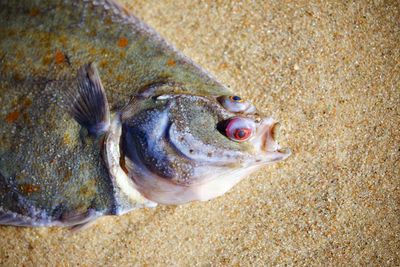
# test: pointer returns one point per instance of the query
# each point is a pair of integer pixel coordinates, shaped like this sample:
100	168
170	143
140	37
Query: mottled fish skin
42	44
51	172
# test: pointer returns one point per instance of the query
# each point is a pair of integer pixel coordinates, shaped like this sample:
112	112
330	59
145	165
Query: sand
330	72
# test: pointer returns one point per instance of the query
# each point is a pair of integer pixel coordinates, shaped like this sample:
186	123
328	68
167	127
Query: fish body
101	116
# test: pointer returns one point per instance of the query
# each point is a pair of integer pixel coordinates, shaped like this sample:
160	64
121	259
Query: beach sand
330	73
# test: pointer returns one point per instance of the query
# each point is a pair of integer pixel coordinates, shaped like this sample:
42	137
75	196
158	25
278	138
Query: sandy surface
331	74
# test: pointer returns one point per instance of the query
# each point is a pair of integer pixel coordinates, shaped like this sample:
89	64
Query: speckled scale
43	162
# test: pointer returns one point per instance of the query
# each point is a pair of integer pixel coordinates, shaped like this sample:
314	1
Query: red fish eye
239	129
242	133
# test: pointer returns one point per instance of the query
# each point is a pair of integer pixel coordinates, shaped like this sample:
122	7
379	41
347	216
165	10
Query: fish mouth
266	142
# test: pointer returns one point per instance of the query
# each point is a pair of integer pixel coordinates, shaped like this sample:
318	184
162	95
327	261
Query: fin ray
87	102
73	221
15	219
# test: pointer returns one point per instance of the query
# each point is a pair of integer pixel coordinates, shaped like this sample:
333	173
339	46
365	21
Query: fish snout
266	141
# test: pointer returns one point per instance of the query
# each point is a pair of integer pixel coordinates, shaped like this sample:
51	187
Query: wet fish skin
48	176
43	43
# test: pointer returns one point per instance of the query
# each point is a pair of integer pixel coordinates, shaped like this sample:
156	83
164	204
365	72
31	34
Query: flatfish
100	116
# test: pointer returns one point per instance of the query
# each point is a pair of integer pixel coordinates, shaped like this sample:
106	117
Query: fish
101	116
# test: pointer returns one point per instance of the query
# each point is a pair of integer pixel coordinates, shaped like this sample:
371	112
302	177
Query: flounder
146	126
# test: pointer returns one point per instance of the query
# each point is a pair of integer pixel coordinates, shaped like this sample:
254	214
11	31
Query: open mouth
265	139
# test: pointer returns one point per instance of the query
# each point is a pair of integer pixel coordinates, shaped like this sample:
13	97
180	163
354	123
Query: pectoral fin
87	102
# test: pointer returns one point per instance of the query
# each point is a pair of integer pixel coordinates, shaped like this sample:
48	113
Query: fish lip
265	141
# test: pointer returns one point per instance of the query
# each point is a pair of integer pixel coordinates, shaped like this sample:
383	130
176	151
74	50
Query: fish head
178	148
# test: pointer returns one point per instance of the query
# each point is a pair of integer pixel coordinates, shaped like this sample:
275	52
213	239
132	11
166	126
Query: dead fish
154	128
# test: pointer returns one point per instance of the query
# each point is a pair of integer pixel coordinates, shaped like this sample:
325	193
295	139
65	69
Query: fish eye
235	104
236	98
239	129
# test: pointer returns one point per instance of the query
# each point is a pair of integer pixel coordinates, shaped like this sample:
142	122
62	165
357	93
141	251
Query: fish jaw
218	183
267	151
126	195
267	148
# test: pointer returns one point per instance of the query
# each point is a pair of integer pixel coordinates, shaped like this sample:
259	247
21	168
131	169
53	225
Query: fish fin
14	219
87	102
82	226
79	221
75	218
75	221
